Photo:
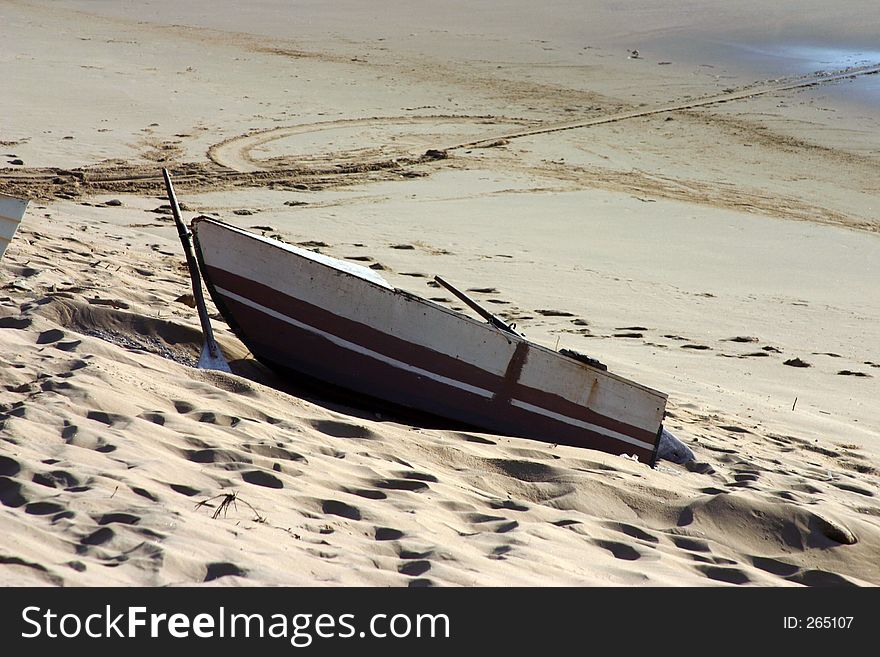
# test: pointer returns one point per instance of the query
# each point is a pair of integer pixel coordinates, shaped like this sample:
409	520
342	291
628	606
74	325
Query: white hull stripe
454	383
580	423
351	346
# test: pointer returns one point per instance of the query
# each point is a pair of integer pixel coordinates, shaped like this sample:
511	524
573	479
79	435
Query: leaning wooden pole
211	357
494	320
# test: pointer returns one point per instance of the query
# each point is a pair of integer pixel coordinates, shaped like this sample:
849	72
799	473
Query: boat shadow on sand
181	343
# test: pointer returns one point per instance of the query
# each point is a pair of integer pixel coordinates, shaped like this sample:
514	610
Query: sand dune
112	440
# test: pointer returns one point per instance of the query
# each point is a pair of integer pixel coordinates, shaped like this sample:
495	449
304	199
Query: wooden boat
11	211
340	323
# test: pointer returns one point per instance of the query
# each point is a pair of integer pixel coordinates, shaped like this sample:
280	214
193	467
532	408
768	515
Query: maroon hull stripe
279	342
423	357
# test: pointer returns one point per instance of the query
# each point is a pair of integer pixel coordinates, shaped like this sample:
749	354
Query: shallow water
772	59
808	58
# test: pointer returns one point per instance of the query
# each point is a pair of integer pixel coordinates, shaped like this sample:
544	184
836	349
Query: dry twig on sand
227	500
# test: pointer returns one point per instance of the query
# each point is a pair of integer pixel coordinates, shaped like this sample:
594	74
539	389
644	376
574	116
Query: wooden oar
211	357
494	320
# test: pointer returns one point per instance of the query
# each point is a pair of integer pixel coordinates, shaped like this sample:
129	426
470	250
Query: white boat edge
12	211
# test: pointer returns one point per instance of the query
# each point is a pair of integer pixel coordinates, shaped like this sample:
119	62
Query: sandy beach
718	240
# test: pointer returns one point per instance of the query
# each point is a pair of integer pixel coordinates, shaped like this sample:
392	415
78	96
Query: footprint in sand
818	577
554	313
511	505
9	467
120	518
39	570
566	522
415	568
15	322
505	527
210	417
498	524
724	574
775	566
622	551
11	493
50	336
339	429
55	479
223	569
743	481
43	508
853	489
500	552
70	345
184	489
183	407
72	436
143	492
401	484
632	532
530	471
313	244
388	534
260	478
479	440
110	419
273	452
197	442
733	428
50	385
337	508
481	518
156	417
98	537
412	555
366	493
213	455
420	476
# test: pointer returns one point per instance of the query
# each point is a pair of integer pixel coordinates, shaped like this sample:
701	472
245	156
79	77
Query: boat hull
339	327
11	212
